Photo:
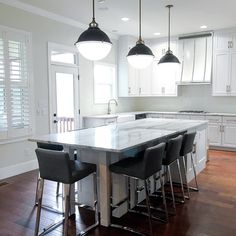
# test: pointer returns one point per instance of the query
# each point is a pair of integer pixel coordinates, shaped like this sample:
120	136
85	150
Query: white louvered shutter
3	105
14	87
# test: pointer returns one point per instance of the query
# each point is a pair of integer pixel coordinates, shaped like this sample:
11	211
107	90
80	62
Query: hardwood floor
210	212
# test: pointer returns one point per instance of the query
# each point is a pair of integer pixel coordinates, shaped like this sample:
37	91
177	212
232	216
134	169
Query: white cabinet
214	134
224	64
229	131
164	81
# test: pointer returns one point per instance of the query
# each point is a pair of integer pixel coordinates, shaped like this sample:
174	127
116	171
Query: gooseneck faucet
109	105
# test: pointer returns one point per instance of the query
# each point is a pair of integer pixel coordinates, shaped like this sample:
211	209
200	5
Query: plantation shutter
14	90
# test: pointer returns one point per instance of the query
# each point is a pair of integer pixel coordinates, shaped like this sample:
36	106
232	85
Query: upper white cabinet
164	81
196	56
152	81
224	64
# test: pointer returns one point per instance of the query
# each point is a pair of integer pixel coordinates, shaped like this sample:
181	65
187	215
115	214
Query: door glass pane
65	95
63	57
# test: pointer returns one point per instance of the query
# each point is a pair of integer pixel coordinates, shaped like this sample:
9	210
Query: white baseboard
9	171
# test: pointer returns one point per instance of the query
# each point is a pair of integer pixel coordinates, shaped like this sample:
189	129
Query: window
15	112
104	82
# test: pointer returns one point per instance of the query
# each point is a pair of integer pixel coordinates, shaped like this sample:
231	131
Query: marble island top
123	136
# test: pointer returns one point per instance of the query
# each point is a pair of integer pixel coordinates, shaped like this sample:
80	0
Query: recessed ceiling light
101	1
125	19
114	31
157	33
203	27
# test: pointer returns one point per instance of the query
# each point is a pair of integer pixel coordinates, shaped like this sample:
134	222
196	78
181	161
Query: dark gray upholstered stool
57	166
188	148
55	147
140	168
173	147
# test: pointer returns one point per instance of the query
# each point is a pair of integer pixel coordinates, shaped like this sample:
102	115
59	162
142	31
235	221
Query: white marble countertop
123	136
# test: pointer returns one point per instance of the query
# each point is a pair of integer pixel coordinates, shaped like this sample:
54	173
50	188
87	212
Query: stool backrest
153	159
187	144
173	149
50	146
54	165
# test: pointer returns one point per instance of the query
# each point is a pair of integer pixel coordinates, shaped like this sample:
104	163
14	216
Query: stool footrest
50	208
91	227
51	227
121	227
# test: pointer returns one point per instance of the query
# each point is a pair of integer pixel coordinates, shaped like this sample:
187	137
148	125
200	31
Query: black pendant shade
169	57
93	33
140	49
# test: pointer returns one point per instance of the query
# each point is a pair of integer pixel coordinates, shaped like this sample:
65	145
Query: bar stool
140	169
57	166
188	148
172	155
55	147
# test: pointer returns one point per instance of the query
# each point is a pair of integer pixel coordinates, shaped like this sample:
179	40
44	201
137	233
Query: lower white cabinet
229	135
214	134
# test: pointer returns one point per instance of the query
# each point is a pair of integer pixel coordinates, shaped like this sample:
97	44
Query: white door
64	99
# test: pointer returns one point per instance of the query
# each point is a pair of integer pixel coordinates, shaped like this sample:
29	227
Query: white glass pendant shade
140	56
140	61
94	50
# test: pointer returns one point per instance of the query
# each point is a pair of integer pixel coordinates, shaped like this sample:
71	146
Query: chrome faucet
109	105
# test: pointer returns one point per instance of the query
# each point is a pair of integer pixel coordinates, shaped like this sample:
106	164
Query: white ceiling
187	15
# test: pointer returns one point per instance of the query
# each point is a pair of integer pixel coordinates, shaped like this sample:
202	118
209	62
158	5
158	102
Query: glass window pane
63	57
65	95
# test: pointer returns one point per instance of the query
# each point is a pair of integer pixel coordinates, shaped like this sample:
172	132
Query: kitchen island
108	144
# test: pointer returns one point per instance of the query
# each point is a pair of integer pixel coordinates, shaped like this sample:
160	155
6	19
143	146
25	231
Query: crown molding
47	14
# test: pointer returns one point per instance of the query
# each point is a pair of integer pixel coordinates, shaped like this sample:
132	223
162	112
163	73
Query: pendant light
93	44
140	56
169	57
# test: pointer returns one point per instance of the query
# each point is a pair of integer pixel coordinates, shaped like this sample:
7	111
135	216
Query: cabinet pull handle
140	90
223	128
228	44
128	89
232	44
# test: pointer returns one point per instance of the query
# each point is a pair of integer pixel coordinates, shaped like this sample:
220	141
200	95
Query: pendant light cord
93	11
140	20
169	7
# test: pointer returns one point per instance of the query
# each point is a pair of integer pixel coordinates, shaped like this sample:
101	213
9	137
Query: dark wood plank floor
211	212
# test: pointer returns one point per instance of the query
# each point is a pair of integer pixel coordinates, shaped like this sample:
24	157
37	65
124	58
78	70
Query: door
133	81
64	99
214	134
221	74
145	77
229	135
233	74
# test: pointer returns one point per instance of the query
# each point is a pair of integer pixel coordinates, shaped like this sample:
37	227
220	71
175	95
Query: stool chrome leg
40	187
195	174
185	175
67	207
58	188
164	196
172	189
148	206
181	179
36	194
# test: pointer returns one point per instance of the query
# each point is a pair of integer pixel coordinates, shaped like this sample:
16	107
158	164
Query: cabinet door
145	78
133	81
221	74
164	81
233	74
188	60
214	134
221	41
229	135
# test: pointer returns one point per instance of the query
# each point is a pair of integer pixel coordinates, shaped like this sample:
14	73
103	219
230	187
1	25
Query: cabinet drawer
197	117
214	119
154	115
184	117
169	116
229	119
